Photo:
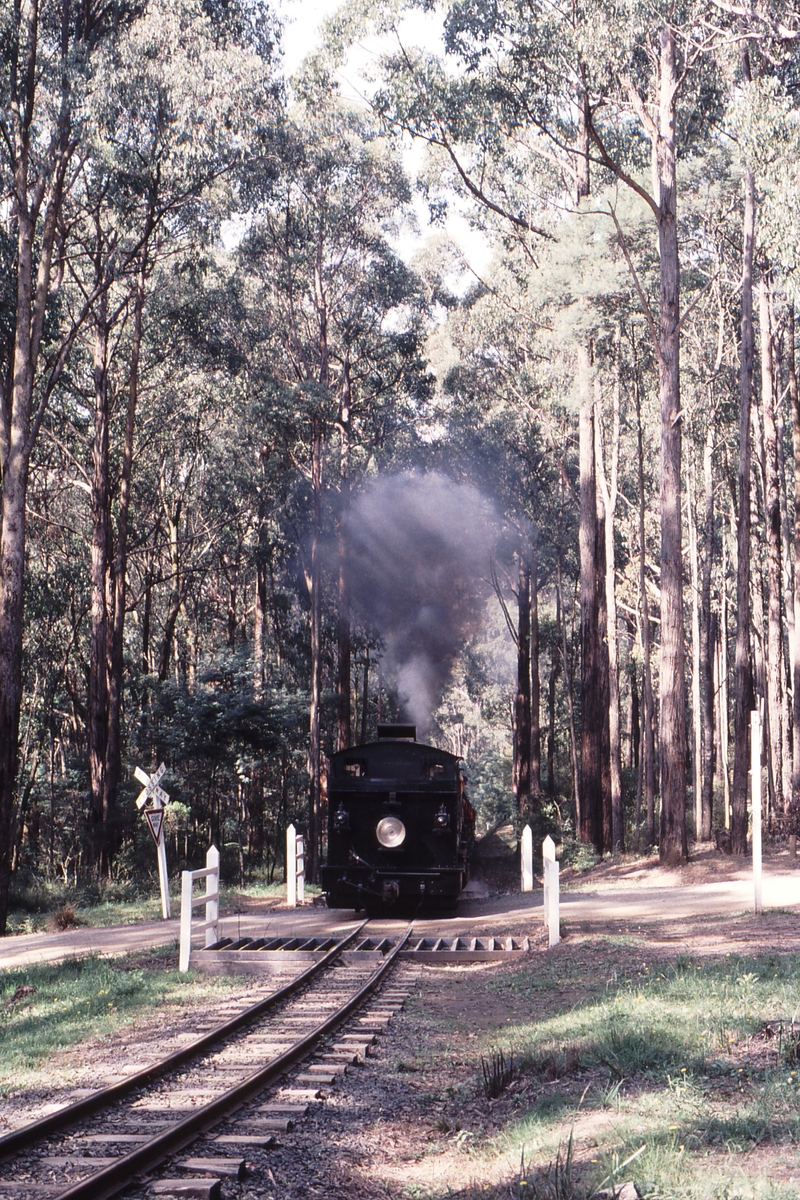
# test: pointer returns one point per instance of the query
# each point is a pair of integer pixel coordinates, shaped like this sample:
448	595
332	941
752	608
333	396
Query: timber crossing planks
276	954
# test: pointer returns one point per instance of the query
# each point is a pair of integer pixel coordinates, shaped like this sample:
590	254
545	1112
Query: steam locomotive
400	826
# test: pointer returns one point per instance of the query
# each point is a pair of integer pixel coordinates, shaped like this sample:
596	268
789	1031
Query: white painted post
548	856
526	859
212	896
291	867
755	797
163	878
300	867
551	873
186	920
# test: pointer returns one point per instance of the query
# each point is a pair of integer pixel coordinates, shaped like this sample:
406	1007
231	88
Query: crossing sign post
152	800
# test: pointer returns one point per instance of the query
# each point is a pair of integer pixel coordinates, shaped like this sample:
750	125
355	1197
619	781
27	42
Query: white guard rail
189	902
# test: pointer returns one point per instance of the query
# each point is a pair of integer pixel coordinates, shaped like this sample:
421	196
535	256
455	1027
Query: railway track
190	1117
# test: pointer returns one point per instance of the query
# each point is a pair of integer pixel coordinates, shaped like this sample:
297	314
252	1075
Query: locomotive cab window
355	768
434	770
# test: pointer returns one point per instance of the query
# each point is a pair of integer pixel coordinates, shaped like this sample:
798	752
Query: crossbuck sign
152	799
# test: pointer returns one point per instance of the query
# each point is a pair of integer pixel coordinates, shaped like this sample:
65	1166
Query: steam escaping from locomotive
418	563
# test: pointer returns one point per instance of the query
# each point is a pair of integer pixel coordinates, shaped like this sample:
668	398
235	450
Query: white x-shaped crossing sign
151	790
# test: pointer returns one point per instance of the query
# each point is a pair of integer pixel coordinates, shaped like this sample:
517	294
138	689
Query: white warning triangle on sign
155	819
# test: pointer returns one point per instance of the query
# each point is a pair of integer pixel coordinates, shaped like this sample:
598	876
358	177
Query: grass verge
47	1009
681	1075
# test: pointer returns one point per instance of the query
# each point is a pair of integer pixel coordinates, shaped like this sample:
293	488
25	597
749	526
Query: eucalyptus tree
174	97
50	48
336	328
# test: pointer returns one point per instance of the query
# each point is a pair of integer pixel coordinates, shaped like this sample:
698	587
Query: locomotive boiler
400	826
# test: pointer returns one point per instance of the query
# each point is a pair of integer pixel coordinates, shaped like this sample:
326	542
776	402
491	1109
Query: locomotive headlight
390	832
442	818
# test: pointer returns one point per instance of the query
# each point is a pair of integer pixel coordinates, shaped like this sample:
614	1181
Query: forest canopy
280	457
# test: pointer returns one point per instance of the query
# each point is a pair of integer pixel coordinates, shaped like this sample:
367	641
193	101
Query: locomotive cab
400	827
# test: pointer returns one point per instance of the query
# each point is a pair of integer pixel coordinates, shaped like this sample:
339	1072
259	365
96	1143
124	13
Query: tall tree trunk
343	687
706	643
116	660
742	670
592	715
695	607
773	531
551	711
536	731
648	713
672	729
788	593
573	741
724	716
315	597
794	397
522	701
99	633
608	489
582	179
36	206
261	589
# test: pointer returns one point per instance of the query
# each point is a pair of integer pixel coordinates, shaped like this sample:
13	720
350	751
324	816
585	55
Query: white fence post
548	855
295	867
212	895
755	795
291	867
300	867
551	891
186	920
189	902
526	859
553	914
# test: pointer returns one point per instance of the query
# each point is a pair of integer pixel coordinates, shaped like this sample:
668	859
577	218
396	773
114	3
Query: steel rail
28	1135
109	1182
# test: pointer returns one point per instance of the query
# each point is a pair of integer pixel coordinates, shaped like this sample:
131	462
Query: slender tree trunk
536	732
34	211
592	716
116	648
673	846
695	607
314	588
99	633
742	671
648	714
724	717
602	649
522	701
551	713
788	593
794	398
573	741
343	685
706	643
261	590
609	492
773	531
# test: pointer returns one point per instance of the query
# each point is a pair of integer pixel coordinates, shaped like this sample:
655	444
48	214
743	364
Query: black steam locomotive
400	826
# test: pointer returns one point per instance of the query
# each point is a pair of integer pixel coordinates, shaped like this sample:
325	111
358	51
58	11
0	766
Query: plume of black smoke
418	563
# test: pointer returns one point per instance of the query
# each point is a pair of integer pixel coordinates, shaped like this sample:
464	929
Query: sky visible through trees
279	461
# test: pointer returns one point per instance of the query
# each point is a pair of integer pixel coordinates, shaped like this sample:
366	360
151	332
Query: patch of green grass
86	997
669	1061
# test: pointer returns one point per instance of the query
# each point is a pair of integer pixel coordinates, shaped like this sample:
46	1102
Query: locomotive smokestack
418	551
397	733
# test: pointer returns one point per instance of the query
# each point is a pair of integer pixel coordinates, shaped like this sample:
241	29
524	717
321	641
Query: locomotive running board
279	954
